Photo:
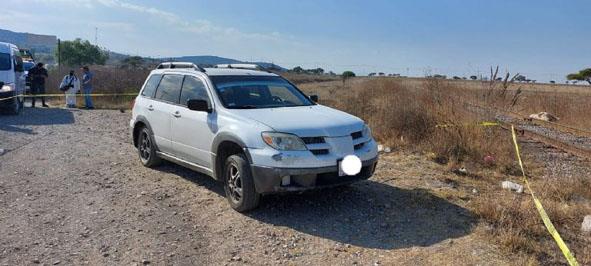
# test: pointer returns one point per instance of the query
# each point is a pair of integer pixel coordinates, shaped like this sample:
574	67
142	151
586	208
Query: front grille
313	140
359	146
357	135
319	152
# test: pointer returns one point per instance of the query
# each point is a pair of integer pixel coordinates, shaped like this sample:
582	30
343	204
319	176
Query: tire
239	184
146	148
16	106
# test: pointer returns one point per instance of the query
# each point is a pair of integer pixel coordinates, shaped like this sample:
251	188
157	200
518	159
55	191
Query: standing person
38	75
70	86
87	79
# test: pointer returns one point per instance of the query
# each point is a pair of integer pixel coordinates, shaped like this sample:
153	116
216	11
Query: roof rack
171	65
242	66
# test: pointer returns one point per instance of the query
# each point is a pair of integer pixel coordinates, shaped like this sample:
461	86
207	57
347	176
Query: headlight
366	131
283	141
7	88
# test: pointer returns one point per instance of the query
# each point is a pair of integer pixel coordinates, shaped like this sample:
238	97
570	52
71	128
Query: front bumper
267	180
7	102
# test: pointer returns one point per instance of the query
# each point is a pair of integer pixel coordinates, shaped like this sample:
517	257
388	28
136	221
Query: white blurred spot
351	165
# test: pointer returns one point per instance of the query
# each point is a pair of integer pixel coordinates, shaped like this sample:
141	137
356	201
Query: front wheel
147	149
17	105
239	184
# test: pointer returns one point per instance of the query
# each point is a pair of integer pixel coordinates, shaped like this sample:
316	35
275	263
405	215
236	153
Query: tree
521	78
133	61
583	75
297	69
473	77
79	53
348	74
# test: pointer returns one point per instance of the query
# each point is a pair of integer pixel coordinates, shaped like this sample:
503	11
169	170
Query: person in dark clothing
38	74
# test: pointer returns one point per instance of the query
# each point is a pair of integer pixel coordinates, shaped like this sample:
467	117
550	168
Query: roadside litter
384	149
512	186
586	225
544	116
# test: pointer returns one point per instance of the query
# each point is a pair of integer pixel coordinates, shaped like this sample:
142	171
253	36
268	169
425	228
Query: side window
193	88
169	89
151	86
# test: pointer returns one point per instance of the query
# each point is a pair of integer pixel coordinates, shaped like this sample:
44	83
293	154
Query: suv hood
306	121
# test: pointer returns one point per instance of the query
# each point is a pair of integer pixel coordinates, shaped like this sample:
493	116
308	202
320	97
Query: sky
543	39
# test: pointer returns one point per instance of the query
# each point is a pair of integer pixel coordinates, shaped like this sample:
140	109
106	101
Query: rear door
193	131
161	108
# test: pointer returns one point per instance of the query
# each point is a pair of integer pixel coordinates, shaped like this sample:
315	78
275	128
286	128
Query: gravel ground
72	191
566	137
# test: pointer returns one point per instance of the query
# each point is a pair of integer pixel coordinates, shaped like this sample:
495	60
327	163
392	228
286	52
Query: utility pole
59	55
96	36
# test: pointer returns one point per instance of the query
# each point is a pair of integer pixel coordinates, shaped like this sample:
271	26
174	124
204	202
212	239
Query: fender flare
227	136
143	120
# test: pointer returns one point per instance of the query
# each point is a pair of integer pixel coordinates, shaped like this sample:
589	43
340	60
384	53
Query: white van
12	78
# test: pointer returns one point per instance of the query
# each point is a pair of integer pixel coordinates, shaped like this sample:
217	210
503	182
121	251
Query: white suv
251	129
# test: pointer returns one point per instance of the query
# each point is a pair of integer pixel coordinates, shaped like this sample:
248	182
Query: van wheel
239	184
147	149
17	105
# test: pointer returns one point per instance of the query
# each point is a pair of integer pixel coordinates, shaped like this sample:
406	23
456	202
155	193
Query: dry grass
430	117
516	225
306	78
107	80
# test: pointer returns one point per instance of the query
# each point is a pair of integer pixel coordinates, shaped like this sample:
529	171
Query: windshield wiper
245	107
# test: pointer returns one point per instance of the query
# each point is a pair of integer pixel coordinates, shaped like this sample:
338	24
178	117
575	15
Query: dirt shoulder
73	192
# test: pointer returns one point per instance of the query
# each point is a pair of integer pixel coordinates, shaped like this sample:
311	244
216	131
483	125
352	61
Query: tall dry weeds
432	117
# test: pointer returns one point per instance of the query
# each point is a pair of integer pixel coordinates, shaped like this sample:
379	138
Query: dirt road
73	192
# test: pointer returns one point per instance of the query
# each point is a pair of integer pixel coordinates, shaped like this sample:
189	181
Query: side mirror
314	98
198	105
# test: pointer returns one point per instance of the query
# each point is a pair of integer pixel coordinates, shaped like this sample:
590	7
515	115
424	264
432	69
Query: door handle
150	108
176	114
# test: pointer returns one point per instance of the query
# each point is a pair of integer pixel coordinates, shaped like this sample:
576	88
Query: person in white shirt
70	86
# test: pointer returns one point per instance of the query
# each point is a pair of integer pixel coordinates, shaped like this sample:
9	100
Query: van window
169	89
5	62
193	89
151	86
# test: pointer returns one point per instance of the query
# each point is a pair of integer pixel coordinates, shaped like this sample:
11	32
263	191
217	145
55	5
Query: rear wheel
147	149
239	184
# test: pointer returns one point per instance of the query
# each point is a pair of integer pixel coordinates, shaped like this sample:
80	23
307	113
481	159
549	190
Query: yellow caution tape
547	222
62	95
482	124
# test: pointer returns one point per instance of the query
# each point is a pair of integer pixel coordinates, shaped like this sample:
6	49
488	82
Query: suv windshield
28	65
5	63
250	92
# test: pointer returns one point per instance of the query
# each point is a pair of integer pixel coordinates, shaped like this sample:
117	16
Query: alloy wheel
234	182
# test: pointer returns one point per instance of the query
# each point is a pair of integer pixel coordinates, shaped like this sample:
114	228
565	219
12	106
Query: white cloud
196	26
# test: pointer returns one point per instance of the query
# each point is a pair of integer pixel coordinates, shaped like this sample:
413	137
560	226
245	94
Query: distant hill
42	46
36	42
